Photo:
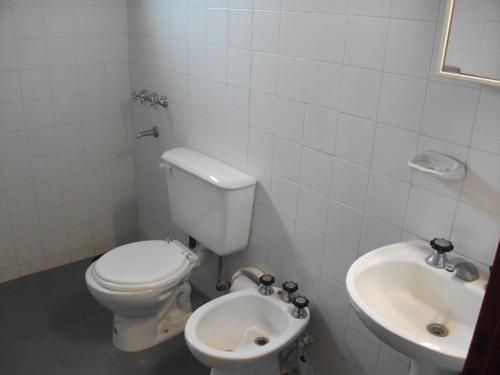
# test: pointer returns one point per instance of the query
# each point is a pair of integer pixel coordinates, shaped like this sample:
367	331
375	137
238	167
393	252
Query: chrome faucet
153	132
464	270
438	258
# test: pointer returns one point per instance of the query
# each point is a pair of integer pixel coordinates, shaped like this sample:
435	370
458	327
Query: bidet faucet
266	285
438	258
288	288
465	270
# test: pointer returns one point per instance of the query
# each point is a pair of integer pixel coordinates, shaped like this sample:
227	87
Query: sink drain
437	329
261	341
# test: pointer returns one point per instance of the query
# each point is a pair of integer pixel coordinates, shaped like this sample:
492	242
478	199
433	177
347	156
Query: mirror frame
450	6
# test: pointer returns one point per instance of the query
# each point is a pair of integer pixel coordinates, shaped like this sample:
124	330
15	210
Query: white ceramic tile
294	32
331	6
344	224
217	63
486	136
311	162
308	247
360	50
349	183
379	8
312	209
377	233
320	128
409	47
266	27
291	79
360	92
286	159
481	187
337	260
416	10
429	214
355	139
17	173
327	36
8	60
260	150
288	119
323	84
387	198
474	233
239	67
264	72
238	108
11	117
297	5
389	365
361	351
402	101
284	195
10	87
29	22
333	298
240	29
262	111
449	112
392	149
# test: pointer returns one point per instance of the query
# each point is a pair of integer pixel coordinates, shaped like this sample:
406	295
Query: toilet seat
143	265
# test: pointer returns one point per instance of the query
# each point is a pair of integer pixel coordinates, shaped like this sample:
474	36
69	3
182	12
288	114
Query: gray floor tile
50	324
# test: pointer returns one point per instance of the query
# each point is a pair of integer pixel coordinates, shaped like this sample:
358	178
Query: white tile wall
67	187
323	101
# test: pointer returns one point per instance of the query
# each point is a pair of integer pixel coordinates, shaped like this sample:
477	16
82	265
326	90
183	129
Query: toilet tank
209	200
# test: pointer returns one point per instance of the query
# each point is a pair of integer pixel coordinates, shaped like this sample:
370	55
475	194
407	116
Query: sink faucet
465	270
438	258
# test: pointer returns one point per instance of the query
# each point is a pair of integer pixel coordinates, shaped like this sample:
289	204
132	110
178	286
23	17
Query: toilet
146	283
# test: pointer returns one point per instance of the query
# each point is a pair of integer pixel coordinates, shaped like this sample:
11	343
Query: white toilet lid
142	265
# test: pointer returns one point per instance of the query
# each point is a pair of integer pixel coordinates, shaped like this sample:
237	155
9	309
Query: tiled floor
51	325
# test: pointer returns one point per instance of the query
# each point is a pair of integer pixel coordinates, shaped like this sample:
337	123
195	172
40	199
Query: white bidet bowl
243	332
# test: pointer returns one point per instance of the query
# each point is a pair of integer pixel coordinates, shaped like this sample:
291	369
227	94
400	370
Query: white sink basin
397	295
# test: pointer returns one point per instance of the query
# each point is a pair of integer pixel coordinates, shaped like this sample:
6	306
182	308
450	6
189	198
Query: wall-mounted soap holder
438	165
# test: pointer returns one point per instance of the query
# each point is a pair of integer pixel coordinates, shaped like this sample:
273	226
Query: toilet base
133	335
268	366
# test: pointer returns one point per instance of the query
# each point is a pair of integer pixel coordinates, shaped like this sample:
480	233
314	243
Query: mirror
470	48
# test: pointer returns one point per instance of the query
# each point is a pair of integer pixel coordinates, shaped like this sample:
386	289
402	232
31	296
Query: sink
425	313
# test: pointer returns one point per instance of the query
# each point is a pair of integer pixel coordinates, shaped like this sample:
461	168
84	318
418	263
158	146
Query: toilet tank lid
208	169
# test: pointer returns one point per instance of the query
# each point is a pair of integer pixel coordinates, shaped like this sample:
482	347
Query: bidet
243	332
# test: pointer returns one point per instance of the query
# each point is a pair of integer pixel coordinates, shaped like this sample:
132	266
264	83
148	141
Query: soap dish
438	165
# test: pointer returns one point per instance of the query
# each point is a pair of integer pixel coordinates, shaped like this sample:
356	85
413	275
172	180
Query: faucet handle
288	288
266	282
442	245
300	303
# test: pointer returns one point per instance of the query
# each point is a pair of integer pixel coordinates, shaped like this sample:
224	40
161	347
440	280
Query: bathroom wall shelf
438	165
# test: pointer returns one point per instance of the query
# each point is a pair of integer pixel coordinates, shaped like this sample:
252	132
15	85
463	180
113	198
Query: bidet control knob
441	245
266	282
300	303
290	287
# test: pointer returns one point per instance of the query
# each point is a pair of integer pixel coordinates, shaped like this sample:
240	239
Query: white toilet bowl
145	284
227	333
